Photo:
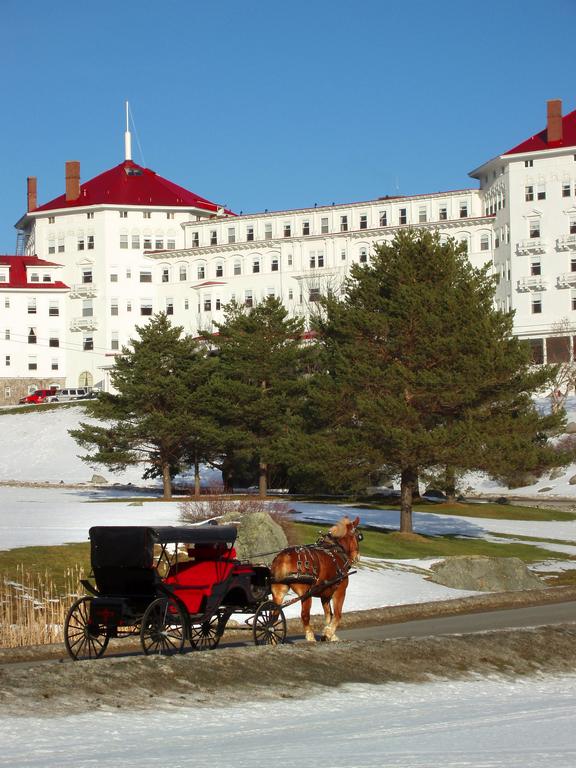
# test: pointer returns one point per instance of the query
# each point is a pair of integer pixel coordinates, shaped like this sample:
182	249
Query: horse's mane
340	529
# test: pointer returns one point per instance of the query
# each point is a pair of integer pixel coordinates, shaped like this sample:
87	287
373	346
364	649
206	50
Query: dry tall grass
32	610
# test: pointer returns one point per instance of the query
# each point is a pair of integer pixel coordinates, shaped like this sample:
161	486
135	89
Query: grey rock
98	480
545	489
570	428
485	574
556	473
572	480
259	536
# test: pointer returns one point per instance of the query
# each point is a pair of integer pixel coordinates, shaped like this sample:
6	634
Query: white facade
125	262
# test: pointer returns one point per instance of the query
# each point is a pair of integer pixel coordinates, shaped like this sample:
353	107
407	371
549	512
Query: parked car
39	396
67	394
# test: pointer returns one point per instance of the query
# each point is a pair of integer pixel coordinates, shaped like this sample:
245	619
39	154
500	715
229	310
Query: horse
318	570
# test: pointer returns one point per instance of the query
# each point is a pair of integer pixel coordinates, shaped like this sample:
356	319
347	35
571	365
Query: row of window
538	191
344	225
535	228
148	243
124	215
83	243
32	363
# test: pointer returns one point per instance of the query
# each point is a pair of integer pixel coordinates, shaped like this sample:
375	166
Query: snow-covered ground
528	723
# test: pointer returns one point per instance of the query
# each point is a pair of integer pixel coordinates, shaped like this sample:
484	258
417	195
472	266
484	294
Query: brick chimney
554	125
32	193
72	180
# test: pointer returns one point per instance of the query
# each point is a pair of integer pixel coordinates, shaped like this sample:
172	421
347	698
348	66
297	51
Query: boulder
556	473
572	480
485	574
98	480
570	428
259	536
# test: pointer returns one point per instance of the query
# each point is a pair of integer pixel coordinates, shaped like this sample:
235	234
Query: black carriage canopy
133	546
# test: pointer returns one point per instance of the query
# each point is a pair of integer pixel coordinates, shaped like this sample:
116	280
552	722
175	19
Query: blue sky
264	104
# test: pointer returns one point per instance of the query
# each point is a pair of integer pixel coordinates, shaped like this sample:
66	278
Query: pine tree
257	383
152	419
424	371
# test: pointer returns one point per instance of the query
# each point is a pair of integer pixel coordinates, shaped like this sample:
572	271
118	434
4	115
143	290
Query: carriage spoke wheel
269	624
206	635
163	627
83	639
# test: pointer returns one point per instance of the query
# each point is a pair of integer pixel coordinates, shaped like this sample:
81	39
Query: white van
69	393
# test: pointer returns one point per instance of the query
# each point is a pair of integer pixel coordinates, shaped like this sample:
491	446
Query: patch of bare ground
33	682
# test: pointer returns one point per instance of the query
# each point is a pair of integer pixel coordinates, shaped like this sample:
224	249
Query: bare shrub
32	610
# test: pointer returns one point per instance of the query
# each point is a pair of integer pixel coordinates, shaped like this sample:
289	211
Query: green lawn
50	563
488	510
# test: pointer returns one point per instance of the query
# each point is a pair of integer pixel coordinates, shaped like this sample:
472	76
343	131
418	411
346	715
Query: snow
525	723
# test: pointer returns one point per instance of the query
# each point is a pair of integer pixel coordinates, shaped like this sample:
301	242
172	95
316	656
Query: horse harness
307	561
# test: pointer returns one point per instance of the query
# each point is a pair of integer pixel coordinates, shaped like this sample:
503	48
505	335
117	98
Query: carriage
169	585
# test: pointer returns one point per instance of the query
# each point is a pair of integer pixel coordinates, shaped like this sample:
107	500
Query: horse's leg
305	616
279	592
337	603
327	605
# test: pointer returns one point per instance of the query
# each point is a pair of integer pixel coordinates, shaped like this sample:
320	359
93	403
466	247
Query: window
146	307
422	214
60	243
573	299
535	228
289	259
566	189
169	214
114	341
113	277
290	294
46	278
442	213
324	225
186	304
7	303
201	272
7	361
170	244
274	264
86	275
182	273
7	334
463	209
51	219
165	275
320	258
128	306
88	342
147	244
256	265
305	227
231	235
541	192
128	274
249	234
169	306
248	299
268	232
53	309
145	276
219	270
54	364
383	219
536	304
135	241
90	242
34	277
147	215
403	216
484	242
51	245
363	221
528	163
213	237
32	364
195	239
32	336
114	307
7	390
572	225
314	294
207	304
80	243
123	241
312	260
573	264
87	308
237	268
287	230
535	268
31	306
123	214
159	243
363	258
343	223
53	341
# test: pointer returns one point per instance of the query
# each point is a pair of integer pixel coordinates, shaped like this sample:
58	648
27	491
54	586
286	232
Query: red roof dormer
18	274
131	185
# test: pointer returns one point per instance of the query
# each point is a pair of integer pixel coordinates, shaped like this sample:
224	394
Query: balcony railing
84	290
532	245
566	280
533	283
566	243
84	324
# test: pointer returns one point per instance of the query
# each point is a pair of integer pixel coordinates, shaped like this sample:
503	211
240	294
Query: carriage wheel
269	624
207	634
164	627
83	639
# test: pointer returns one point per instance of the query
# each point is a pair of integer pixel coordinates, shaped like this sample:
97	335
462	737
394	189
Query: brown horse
318	570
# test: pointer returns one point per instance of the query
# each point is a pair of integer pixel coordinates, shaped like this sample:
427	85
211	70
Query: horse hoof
329	639
310	637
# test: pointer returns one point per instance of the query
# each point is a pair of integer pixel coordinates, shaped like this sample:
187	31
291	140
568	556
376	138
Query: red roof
18	274
130	184
540	141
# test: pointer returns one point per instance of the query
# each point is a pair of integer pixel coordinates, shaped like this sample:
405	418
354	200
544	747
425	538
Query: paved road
532	616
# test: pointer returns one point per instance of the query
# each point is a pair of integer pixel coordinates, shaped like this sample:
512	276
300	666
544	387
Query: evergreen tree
424	371
152	419
255	389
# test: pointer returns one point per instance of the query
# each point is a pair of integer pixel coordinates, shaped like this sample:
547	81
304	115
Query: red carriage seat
194	579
